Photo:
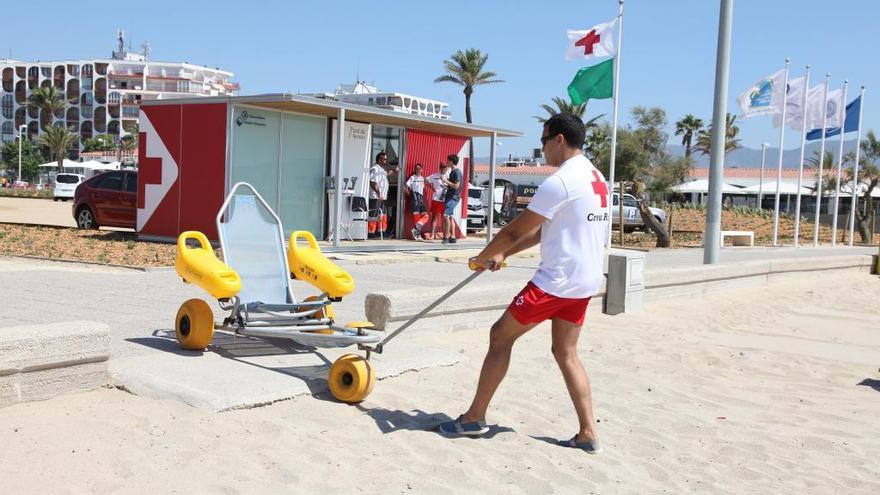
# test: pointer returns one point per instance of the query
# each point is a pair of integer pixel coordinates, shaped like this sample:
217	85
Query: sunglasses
547	138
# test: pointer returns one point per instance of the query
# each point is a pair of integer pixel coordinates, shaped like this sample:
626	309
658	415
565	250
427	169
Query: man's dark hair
570	126
452	158
380	155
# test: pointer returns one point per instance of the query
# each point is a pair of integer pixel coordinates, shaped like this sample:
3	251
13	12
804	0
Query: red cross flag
597	41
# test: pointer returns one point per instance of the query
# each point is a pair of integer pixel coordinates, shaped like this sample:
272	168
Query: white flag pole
855	185
781	142
839	165
610	177
797	207
820	177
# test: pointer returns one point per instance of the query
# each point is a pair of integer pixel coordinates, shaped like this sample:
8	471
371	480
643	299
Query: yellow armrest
201	267
309	264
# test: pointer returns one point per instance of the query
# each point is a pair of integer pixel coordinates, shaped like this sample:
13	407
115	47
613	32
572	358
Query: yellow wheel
194	325
351	378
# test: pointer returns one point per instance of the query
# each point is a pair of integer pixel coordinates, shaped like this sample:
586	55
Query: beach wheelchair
252	283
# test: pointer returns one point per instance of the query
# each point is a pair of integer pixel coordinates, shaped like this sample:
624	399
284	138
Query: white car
65	186
632	219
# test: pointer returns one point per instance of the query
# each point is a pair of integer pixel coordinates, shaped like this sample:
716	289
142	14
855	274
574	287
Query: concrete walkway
139	309
37	211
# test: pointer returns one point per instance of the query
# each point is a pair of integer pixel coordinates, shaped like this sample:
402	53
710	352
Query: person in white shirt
568	216
438	183
378	195
415	189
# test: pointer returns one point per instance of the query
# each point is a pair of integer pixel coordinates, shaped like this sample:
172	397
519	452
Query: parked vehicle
65	185
478	210
632	219
108	199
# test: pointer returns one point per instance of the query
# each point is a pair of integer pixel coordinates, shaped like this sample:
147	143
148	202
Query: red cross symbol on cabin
588	42
600	188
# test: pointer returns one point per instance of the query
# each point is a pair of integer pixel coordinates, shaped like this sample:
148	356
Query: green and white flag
595	82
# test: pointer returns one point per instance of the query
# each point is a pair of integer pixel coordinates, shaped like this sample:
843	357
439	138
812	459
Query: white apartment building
102	95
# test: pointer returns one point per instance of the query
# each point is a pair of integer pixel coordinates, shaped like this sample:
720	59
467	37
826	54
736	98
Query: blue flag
850	123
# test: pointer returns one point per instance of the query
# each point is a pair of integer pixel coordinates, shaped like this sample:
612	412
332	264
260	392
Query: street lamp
761	184
18	178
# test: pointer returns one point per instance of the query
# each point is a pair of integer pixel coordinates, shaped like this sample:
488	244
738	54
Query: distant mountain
751	158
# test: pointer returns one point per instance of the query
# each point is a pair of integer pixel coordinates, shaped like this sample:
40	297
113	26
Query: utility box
625	284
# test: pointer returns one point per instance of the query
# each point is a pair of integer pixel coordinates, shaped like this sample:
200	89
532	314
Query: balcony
130	111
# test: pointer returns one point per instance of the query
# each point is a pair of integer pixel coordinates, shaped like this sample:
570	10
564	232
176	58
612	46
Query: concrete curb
92	263
386	308
38	362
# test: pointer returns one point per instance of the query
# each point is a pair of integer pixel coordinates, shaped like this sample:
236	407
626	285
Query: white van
65	185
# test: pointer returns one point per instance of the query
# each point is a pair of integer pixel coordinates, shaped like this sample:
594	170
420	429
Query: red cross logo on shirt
600	188
588	42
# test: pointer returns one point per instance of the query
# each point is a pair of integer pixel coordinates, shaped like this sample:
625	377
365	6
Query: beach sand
763	390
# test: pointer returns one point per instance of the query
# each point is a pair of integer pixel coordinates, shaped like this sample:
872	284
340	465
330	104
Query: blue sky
668	49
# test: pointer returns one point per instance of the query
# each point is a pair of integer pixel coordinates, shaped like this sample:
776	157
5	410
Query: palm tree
48	100
597	144
59	140
465	68
869	178
731	142
827	163
566	106
687	127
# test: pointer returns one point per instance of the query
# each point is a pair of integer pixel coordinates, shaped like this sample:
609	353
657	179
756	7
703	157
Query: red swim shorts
533	305
437	208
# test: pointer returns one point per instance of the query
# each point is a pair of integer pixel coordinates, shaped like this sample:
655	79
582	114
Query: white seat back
253	245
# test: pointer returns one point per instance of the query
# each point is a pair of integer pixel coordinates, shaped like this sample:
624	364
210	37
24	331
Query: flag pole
839	165
855	188
610	177
779	164
797	207
821	163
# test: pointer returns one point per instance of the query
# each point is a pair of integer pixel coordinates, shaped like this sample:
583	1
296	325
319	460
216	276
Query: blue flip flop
457	428
590	447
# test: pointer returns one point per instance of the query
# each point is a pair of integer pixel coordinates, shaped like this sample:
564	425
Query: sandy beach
765	390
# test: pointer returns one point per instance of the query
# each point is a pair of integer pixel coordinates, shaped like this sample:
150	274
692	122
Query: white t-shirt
437	183
416	183
574	203
380	177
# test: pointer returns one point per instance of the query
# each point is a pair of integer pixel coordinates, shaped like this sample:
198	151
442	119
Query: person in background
437	183
450	201
415	189
392	170
378	195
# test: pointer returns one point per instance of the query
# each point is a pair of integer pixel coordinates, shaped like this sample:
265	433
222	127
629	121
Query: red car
108	199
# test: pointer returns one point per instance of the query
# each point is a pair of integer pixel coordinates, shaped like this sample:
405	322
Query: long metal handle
378	347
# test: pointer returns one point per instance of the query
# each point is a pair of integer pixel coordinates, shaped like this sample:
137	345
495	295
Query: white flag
832	108
764	97
597	41
794	112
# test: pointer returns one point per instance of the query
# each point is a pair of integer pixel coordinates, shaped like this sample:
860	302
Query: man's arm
522	233
451	184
